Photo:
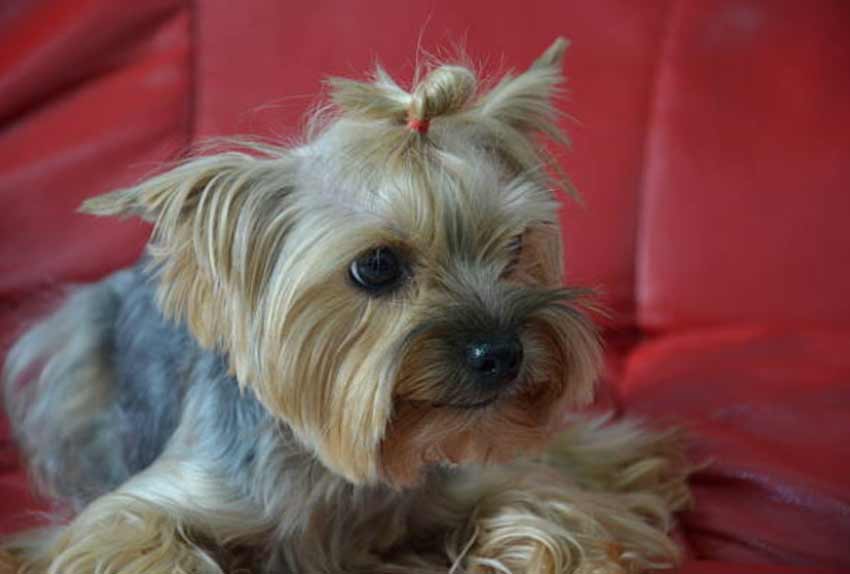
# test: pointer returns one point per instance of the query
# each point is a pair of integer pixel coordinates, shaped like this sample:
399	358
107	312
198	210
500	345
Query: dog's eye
377	271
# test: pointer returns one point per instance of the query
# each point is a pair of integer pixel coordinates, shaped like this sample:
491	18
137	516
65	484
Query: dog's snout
494	360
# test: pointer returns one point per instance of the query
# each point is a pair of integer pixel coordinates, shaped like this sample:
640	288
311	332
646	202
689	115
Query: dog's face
392	292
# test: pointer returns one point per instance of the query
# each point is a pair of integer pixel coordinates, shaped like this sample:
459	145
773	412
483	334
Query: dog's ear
525	102
173	196
218	223
553	57
519	109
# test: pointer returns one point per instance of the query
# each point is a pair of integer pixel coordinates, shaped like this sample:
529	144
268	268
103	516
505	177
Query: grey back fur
109	379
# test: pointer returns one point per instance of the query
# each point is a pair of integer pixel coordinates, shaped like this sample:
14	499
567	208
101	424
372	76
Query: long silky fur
233	403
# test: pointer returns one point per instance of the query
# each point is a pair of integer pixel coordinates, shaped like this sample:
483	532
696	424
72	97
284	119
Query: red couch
712	146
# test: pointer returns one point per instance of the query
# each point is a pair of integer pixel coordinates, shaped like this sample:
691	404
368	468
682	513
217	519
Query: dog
352	354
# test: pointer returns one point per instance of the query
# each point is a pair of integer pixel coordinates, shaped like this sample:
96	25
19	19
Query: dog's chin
481	430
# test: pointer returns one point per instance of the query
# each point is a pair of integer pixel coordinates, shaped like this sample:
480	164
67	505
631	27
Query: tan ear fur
173	190
209	215
525	102
519	110
553	57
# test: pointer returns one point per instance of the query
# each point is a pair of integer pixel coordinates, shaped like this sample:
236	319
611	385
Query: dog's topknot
445	90
450	103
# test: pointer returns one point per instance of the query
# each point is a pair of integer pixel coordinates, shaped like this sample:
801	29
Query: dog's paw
545	525
110	540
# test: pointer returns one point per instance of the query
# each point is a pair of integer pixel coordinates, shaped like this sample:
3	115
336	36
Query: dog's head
390	288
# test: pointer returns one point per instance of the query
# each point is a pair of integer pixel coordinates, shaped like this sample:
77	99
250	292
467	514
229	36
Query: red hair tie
419	126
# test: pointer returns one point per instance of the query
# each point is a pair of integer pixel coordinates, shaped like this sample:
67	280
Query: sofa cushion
745	206
766	411
93	96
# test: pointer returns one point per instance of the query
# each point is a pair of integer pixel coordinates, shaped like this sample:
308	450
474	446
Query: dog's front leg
600	500
176	517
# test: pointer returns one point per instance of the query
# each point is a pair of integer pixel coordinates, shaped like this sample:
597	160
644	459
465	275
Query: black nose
494	360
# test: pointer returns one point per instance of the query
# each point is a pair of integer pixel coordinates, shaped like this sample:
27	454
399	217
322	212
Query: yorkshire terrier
353	354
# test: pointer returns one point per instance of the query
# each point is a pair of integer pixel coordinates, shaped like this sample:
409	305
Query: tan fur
251	249
599	500
418	435
149	526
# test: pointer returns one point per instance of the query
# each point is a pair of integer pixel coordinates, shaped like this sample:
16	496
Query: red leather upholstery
747	172
712	146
